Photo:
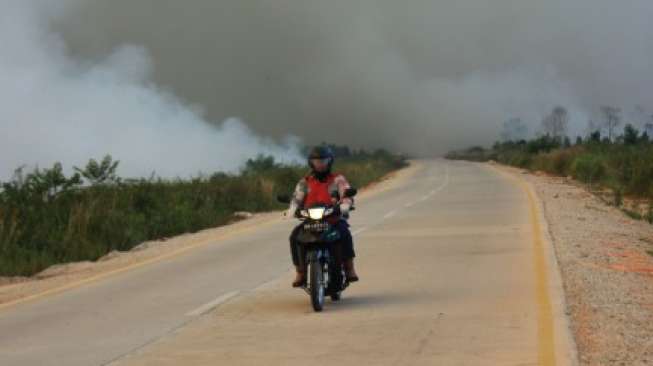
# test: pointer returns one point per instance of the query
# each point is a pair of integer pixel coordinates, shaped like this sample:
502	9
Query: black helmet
321	152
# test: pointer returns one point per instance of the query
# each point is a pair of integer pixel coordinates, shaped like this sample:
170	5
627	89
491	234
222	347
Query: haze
417	77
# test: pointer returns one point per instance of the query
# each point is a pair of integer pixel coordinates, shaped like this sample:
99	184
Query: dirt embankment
606	262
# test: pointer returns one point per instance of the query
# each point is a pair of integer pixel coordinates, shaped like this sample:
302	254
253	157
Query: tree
514	130
52	181
648	128
555	124
42	184
261	164
544	143
567	142
595	136
100	173
591	128
631	135
612	119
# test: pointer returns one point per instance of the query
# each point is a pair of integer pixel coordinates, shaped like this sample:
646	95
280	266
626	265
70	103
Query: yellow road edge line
545	313
545	333
166	256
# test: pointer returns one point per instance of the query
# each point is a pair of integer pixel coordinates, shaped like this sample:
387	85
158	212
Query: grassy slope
46	218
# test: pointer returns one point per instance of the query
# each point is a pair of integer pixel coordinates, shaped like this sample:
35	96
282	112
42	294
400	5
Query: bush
48	218
633	214
475	153
557	162
626	166
588	168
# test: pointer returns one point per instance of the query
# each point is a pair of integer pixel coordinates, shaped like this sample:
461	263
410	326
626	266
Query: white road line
442	185
209	306
410	204
446	178
445	182
266	284
390	214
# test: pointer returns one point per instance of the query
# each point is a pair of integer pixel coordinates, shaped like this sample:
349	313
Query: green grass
627	169
624	166
47	218
633	215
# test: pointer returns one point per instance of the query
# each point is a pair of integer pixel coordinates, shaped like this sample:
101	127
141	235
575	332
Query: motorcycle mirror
283	198
351	192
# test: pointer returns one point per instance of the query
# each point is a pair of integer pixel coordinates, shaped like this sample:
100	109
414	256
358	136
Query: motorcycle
326	274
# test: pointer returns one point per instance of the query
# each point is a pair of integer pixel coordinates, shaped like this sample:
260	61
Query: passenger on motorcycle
321	186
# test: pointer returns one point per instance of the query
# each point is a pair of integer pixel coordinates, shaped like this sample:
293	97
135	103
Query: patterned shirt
339	185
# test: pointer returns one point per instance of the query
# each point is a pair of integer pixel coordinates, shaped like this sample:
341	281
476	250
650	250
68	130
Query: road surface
453	267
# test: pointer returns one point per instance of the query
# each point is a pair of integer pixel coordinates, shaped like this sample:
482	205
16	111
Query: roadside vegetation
47	217
609	163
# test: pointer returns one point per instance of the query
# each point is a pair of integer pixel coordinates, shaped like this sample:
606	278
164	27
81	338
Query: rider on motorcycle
321	186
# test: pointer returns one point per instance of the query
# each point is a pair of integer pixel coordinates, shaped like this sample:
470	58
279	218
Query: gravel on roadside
606	263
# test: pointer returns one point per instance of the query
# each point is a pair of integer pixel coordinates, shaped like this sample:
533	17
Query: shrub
556	162
588	168
624	165
633	214
48	218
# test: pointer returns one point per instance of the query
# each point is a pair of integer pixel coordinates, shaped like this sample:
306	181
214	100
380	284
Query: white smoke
54	107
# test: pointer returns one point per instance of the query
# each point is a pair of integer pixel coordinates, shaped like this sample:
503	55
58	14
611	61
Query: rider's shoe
300	278
350	272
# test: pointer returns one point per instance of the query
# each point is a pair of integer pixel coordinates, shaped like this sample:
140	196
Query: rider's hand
344	208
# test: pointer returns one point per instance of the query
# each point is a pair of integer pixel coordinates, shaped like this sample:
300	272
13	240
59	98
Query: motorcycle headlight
316	213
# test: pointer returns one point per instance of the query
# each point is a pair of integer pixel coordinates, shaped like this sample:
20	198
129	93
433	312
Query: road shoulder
605	268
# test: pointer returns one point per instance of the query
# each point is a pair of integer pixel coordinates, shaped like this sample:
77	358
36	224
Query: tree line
556	124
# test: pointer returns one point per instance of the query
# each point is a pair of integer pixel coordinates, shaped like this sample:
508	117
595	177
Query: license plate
316	226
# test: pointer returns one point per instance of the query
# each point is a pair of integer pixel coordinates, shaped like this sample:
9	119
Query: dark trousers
343	250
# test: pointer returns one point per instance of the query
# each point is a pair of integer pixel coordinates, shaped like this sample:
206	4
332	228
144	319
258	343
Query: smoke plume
417	76
56	107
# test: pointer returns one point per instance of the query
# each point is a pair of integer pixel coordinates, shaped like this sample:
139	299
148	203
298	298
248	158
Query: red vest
318	192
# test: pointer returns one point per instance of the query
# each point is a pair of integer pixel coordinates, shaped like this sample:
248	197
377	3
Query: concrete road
449	271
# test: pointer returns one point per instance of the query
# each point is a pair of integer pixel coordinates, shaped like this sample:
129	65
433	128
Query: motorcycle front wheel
316	284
